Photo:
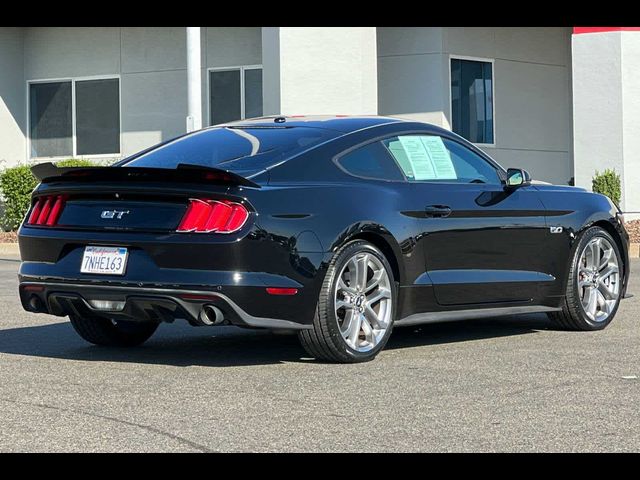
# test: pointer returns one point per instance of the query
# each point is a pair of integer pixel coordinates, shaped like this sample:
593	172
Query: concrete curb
11	249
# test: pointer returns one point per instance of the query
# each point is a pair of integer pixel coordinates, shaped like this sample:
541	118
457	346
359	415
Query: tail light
47	210
206	216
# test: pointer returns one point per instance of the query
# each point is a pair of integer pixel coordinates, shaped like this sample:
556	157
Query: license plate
104	260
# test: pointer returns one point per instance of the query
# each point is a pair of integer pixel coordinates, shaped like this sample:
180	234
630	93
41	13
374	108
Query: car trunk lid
127	198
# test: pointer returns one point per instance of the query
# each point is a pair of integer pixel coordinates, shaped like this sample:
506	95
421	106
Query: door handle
438	211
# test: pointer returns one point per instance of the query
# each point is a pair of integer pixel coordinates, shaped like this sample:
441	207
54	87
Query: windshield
244	151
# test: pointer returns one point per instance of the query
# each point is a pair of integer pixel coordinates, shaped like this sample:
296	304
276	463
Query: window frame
500	170
74	147
493	93
242	69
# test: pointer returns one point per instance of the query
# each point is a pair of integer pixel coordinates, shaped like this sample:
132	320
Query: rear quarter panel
321	217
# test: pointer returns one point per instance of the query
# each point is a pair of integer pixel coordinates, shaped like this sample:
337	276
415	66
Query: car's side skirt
471	314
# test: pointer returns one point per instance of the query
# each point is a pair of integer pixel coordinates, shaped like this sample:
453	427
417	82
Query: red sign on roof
577	30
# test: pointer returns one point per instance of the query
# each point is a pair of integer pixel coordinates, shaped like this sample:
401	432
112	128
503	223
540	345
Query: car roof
340	123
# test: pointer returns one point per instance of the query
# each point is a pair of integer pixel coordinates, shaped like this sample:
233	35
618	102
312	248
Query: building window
51	125
235	94
98	117
74	117
472	100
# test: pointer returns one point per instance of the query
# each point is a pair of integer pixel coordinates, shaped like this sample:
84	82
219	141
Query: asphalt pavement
511	384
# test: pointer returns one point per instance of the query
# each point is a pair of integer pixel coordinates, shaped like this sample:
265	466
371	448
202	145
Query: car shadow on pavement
181	345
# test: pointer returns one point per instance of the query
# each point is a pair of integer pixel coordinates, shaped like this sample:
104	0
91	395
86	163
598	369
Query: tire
574	315
333	330
104	332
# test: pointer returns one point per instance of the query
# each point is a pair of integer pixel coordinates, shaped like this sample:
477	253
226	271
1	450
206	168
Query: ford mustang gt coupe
334	228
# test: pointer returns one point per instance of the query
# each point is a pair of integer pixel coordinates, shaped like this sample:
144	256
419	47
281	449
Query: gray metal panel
154	108
153	49
55	52
409	40
233	46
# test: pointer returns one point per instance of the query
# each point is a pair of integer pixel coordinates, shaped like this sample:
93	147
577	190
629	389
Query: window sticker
440	157
423	157
397	150
418	157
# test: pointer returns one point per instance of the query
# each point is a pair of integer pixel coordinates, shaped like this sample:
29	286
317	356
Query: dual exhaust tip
36	304
210	315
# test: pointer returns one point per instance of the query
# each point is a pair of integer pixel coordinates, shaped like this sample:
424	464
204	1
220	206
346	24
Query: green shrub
75	162
16	185
608	183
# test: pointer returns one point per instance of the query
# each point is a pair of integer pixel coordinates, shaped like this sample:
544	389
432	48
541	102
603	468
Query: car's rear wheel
594	285
111	333
355	312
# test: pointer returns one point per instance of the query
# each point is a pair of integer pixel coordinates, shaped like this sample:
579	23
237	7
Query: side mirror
517	177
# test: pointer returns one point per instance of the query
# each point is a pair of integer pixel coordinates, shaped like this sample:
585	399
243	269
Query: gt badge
111	214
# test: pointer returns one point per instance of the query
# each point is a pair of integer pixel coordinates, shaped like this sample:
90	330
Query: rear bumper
235	275
164	293
141	304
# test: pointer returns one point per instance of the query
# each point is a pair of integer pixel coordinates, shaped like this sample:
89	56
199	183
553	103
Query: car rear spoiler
183	173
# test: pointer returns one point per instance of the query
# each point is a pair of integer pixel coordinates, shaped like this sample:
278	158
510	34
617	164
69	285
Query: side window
370	161
436	159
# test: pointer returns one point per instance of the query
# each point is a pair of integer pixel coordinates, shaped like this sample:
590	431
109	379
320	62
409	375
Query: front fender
577	211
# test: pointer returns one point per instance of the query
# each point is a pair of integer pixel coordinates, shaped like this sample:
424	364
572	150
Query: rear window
241	150
371	161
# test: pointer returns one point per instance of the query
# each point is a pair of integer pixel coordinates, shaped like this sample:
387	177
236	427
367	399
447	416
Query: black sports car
335	228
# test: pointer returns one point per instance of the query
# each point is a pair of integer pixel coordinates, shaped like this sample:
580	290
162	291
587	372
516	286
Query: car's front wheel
111	333
355	312
594	285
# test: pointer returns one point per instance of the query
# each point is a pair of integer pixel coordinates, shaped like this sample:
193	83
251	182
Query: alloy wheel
363	301
598	279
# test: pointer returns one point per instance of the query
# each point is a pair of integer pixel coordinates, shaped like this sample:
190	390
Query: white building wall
630	60
154	85
606	103
532	75
411	75
12	99
597	104
320	70
61	52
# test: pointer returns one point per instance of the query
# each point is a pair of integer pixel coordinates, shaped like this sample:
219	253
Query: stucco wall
532	74
631	121
597	104
320	70
151	62
411	76
606	102
12	99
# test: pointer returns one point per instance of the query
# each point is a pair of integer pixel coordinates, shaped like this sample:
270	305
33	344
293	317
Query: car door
482	243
